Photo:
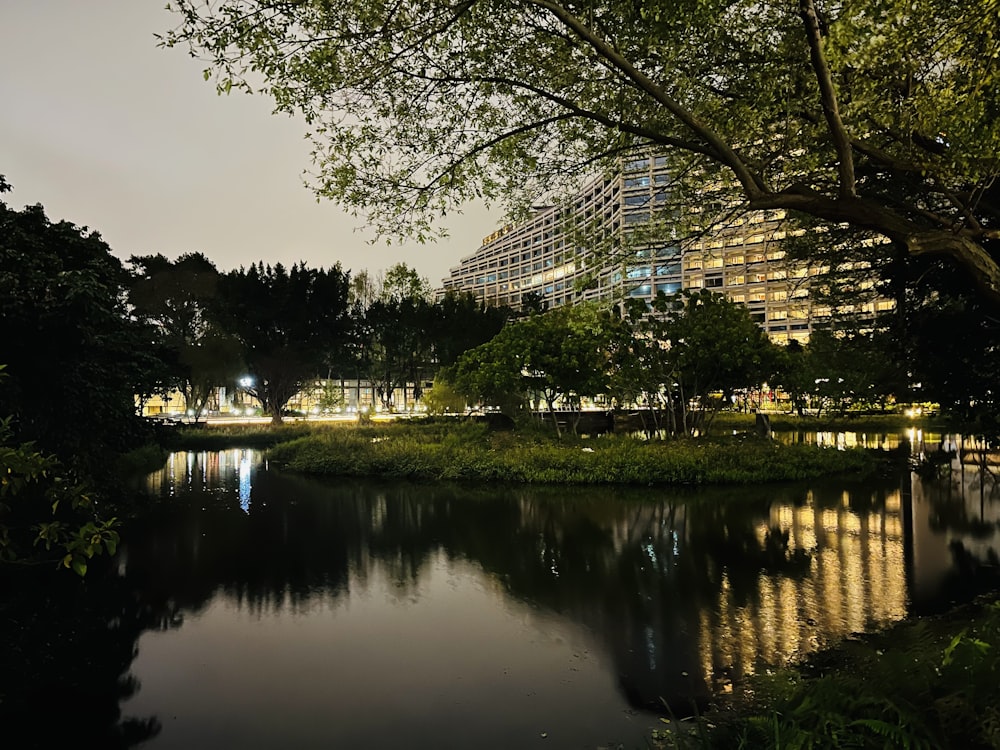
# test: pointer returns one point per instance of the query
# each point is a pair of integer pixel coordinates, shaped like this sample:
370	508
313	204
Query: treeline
87	339
277	329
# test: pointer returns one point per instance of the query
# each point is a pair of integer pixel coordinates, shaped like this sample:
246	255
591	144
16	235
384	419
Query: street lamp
246	382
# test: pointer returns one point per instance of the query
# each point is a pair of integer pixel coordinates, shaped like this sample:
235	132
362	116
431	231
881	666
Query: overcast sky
108	131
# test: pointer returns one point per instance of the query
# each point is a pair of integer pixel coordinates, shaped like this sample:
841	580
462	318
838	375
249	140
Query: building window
636	164
669	269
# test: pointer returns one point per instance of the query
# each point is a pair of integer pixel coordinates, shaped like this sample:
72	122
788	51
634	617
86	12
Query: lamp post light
246	382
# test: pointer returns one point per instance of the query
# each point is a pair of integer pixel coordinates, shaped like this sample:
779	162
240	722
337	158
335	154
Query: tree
639	370
558	357
399	323
795	374
75	355
174	295
46	513
442	398
834	110
462	322
175	298
396	342
214	360
291	325
952	351
364	289
854	368
403	337
712	345
491	374
401	282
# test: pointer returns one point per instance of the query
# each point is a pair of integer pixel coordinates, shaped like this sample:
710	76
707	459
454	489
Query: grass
465	451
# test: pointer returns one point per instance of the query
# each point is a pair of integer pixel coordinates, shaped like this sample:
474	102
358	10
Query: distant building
742	259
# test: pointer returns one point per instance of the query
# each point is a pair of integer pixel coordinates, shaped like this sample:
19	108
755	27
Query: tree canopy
557	356
696	346
178	300
75	356
881	115
290	324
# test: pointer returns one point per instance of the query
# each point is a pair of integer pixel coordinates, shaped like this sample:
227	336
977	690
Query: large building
623	215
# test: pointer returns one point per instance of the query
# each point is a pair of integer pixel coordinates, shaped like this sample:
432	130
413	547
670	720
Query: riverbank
468	451
931	682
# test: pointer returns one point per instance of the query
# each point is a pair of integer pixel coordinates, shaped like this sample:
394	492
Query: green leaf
80	567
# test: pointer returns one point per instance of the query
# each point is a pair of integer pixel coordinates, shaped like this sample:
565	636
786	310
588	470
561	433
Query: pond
256	609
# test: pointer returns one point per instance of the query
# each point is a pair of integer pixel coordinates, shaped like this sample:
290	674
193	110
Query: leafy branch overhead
881	115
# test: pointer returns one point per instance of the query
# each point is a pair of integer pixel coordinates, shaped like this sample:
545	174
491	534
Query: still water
275	611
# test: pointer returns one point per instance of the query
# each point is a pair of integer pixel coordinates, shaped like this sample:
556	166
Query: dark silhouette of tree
75	356
291	324
176	299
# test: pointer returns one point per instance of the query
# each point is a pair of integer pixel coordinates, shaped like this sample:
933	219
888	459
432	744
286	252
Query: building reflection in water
855	582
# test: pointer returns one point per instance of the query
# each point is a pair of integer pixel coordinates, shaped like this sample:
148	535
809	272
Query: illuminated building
742	259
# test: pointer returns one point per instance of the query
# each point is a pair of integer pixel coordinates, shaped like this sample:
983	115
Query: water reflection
956	527
842	440
686	592
277	610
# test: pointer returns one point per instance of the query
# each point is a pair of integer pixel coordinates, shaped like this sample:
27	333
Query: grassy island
436	450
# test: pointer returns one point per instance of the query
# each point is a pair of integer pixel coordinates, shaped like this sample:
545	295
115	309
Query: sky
108	131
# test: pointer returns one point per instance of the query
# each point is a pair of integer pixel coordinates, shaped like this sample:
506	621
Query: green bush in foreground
464	451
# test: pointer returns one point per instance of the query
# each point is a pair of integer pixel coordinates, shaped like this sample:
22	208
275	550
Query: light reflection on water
842	440
434	602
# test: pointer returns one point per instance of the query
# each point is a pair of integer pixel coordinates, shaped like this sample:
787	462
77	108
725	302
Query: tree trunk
552	411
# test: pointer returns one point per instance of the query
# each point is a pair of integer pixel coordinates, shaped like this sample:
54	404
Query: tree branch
963	246
828	97
753	184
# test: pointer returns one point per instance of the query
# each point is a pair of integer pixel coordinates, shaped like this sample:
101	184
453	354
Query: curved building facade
626	216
